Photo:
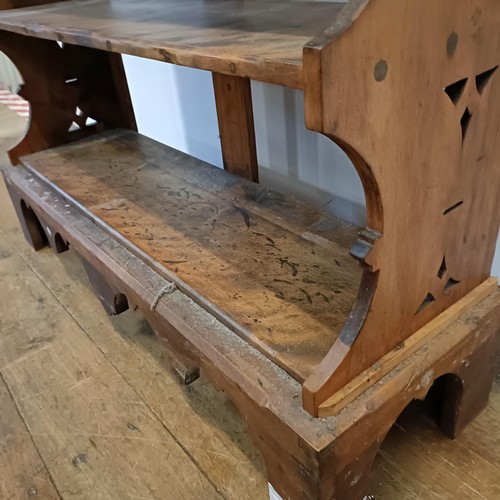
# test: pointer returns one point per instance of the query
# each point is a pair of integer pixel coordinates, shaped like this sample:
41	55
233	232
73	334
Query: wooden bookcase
319	331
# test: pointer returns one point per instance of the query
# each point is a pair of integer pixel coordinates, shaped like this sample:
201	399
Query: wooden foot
352	481
348	483
113	301
30	223
466	393
36	231
184	370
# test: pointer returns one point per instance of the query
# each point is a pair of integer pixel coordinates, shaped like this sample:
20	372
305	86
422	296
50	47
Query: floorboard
22	471
203	421
97	436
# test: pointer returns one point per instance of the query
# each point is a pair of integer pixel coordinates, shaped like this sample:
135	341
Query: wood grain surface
259	39
430	240
277	272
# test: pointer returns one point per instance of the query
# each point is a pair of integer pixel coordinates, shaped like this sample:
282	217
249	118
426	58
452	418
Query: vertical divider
233	97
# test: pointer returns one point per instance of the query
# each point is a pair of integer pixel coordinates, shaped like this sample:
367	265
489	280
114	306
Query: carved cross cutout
455	91
441	285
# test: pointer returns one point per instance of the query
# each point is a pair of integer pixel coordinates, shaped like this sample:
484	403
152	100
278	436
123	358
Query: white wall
176	106
10	78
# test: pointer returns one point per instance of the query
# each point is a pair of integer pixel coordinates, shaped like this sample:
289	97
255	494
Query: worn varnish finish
258	39
305	457
458	106
392	359
259	268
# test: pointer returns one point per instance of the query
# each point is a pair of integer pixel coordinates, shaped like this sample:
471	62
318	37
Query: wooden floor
89	410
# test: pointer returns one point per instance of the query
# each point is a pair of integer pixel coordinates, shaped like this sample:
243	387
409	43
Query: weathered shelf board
274	270
259	39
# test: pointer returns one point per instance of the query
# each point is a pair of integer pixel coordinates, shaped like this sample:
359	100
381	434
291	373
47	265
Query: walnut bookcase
319	331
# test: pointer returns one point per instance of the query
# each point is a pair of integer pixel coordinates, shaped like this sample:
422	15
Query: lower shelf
306	458
274	270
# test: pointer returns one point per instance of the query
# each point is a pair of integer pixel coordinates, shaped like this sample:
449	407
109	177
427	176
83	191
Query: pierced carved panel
73	91
423	136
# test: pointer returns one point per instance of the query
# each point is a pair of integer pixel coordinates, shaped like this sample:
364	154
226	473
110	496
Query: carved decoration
66	85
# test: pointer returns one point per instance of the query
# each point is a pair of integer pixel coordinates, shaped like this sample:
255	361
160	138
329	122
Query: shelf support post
233	98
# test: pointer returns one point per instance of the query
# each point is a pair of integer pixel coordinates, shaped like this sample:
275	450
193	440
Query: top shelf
259	39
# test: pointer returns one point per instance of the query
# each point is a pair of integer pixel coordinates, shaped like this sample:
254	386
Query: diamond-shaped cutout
442	269
450	284
464	123
455	90
483	78
429	299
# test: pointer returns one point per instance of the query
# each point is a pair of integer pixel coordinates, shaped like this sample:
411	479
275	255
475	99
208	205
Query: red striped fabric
15	103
